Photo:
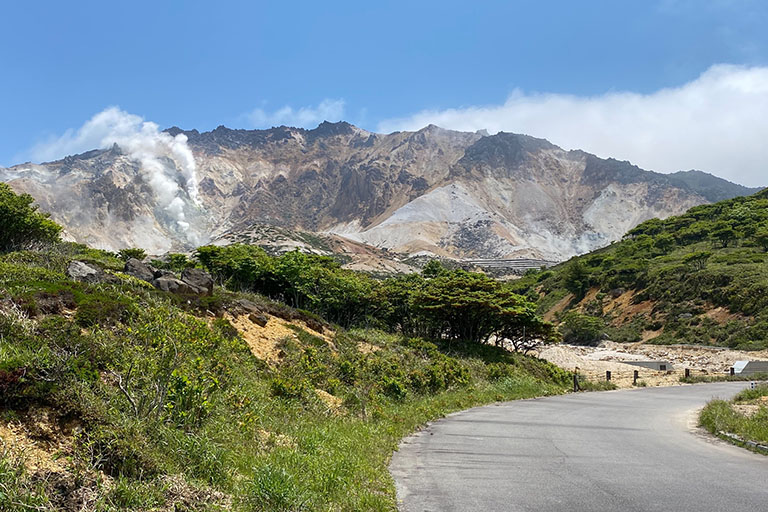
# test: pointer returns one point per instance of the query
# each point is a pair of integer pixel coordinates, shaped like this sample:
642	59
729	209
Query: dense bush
582	329
22	224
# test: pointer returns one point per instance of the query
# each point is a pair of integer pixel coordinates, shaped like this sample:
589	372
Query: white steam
164	160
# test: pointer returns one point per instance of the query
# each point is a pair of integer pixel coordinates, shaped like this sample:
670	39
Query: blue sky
380	65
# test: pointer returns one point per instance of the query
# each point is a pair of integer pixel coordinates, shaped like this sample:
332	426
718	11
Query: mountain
433	191
698	278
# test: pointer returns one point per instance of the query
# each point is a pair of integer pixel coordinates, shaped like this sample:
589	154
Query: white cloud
306	117
165	161
716	123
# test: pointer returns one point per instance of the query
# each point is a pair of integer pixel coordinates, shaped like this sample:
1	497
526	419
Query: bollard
733	371
608	375
687	372
575	382
634	378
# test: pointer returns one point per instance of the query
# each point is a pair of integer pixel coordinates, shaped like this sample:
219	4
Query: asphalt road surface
633	450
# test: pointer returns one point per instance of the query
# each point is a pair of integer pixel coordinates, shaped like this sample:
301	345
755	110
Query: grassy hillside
118	396
700	278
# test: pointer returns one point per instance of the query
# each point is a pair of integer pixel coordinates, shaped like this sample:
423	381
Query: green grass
719	417
591	385
698	379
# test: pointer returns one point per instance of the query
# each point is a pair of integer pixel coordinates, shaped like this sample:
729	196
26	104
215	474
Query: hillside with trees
697	278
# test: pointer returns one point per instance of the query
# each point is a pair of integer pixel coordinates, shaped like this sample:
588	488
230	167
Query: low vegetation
698	278
698	379
744	420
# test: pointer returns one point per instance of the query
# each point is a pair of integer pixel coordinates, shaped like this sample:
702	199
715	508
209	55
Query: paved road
634	450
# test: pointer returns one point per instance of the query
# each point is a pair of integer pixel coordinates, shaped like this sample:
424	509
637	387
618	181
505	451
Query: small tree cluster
23	226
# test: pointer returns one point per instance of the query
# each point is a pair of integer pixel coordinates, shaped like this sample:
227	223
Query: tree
179	262
761	237
576	278
434	268
393	303
530	332
23	226
132	253
664	242
469	306
724	233
582	329
697	259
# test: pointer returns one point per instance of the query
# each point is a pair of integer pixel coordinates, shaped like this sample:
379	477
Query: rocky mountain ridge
433	191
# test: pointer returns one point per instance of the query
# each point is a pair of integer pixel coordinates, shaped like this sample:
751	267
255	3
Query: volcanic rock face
438	191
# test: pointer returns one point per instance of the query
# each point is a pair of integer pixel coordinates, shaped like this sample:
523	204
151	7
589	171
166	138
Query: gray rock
86	273
81	271
139	269
684	316
158	273
198	278
173	285
259	319
315	325
248	306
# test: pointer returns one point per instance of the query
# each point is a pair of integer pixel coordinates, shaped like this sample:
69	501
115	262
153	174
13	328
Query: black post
575	382
687	372
608	375
634	378
733	371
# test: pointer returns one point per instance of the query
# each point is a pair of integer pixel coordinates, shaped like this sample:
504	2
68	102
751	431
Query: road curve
622	451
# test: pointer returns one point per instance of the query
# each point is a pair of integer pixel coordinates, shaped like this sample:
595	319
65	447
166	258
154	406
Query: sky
667	84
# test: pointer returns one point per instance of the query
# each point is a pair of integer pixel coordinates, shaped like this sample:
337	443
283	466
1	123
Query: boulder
81	271
198	278
173	285
158	273
315	325
139	269
259	319
86	273
248	306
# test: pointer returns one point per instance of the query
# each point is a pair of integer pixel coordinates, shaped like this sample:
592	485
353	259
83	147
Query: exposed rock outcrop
139	270
198	279
86	273
193	281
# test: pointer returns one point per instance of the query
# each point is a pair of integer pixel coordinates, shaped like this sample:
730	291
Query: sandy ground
264	342
593	362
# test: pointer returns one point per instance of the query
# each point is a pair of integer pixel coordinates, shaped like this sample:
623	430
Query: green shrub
103	309
395	388
582	329
23	225
289	388
135	252
499	371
